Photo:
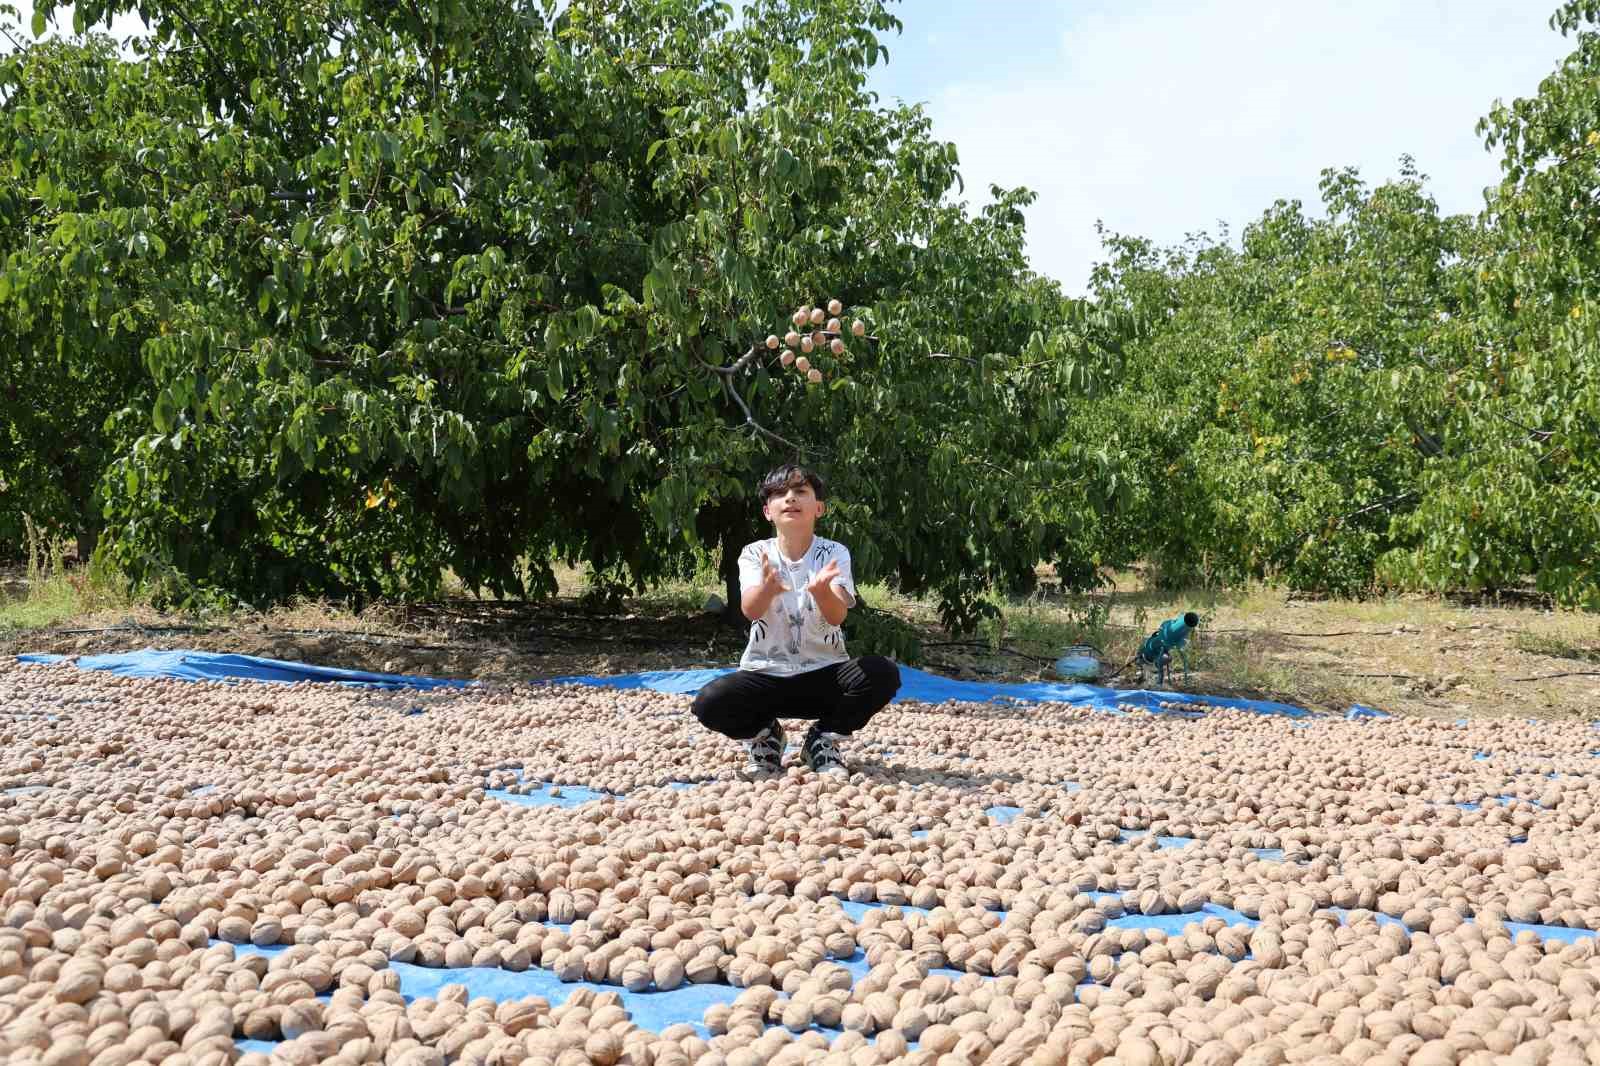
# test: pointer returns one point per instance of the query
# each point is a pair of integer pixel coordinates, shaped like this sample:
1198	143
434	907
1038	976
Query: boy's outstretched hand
755	601
823	578
827	600
771	580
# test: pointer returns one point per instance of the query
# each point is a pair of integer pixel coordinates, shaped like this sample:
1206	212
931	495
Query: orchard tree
1258	433
82	282
477	286
1515	490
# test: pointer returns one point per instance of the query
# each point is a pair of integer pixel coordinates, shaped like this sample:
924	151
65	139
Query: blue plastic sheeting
649	1010
1127	835
218	666
571	796
1361	710
1269	854
931	688
858	911
1561	933
856	963
265	1047
26	790
1550	932
1174	924
1072	786
914	684
919	833
1383	919
1002	814
1503	800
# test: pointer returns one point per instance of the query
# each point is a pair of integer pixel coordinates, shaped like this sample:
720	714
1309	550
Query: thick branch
738	364
750	419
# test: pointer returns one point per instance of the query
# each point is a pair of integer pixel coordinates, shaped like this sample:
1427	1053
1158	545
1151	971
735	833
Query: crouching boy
795	589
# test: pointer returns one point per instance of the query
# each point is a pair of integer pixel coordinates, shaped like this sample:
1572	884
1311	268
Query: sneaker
766	752
821	752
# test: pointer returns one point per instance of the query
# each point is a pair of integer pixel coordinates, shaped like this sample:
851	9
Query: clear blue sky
1163	117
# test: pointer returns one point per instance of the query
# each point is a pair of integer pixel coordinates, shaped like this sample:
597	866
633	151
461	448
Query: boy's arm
833	597
759	584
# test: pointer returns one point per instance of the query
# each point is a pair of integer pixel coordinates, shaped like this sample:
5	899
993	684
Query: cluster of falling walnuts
825	332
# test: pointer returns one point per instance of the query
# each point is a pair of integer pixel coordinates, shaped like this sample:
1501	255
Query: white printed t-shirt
793	637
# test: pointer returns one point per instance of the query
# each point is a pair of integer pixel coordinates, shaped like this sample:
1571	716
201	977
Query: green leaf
165	414
39	24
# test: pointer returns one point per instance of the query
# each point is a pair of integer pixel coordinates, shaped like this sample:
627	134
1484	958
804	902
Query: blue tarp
914	684
221	666
650	1010
1003	814
1175	924
571	796
931	688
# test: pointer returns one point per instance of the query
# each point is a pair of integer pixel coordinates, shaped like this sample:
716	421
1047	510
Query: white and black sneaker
821	752
766	752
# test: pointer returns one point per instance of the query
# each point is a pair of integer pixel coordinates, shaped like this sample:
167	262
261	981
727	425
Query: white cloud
1164	119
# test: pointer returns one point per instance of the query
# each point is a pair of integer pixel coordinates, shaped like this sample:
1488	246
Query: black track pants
841	697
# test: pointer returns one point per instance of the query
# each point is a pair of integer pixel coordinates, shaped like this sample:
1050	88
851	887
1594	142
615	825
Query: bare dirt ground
477	640
1419	656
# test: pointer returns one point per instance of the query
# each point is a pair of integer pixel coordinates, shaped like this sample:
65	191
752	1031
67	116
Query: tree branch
750	419
737	365
1380	505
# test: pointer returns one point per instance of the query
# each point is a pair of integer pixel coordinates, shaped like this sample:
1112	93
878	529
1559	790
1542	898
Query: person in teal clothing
796	588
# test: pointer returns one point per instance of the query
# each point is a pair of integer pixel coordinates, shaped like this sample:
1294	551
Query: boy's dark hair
788	476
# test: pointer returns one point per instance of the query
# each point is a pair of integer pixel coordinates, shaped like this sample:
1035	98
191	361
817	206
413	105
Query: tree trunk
728	567
88	540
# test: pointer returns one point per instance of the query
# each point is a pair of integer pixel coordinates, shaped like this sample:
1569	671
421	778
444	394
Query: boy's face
795	509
